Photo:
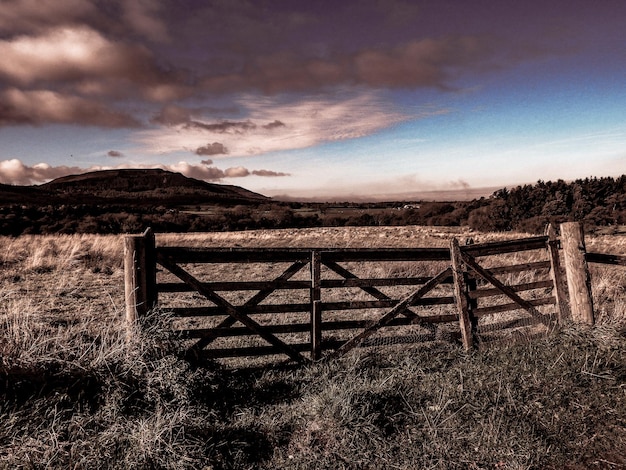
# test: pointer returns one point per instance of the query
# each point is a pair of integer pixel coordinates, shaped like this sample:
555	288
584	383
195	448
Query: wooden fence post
458	275
139	275
472	285
578	278
557	274
316	305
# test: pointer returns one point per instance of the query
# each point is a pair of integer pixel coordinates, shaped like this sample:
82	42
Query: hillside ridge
103	182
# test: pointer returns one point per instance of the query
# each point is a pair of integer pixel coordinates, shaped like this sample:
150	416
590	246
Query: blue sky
343	99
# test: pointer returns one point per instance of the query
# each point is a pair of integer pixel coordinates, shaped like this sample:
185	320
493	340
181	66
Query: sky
345	99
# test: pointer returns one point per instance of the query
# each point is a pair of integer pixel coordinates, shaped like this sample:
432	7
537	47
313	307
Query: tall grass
77	392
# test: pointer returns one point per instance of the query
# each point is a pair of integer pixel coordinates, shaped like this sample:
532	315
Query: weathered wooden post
460	293
316	306
472	285
557	275
139	275
577	272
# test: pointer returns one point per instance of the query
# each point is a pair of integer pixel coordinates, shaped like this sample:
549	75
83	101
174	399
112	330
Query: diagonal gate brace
188	279
255	300
394	312
373	291
510	293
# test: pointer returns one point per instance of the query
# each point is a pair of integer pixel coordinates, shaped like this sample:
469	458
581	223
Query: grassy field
77	392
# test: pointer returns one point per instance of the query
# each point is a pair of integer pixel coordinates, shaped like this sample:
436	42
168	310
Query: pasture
77	391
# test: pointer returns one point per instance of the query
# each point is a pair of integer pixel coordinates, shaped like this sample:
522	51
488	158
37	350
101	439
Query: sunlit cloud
237	172
65	53
49	107
270	125
14	171
86	58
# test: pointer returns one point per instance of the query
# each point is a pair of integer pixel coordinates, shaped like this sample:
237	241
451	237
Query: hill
145	186
10	194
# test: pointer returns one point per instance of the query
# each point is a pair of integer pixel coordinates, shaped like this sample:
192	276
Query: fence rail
475	293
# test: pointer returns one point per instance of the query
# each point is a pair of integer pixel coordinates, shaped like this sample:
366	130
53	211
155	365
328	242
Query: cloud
84	57
35	15
274	125
237	172
172	115
65	53
414	64
114	154
269	173
223	127
143	17
48	107
201	172
14	171
212	149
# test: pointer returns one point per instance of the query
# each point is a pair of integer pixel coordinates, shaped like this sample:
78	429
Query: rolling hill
129	186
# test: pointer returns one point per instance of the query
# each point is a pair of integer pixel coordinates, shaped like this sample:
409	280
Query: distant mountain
145	186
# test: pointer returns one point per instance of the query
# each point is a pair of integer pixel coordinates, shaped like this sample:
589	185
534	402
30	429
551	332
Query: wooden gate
346	298
504	295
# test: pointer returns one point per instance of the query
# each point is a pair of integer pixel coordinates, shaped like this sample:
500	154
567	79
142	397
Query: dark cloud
211	149
274	124
114	154
224	127
201	172
146	18
48	107
269	173
35	15
172	115
418	63
99	55
207	162
142	18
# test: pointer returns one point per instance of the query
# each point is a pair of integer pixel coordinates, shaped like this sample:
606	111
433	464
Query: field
77	391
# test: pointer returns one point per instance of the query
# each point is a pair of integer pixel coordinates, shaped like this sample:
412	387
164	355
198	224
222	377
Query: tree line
526	208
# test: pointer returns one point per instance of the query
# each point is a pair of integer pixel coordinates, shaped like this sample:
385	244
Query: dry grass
75	392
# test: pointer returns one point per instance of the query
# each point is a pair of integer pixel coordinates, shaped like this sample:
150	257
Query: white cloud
14	171
88	61
44	107
302	124
63	53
